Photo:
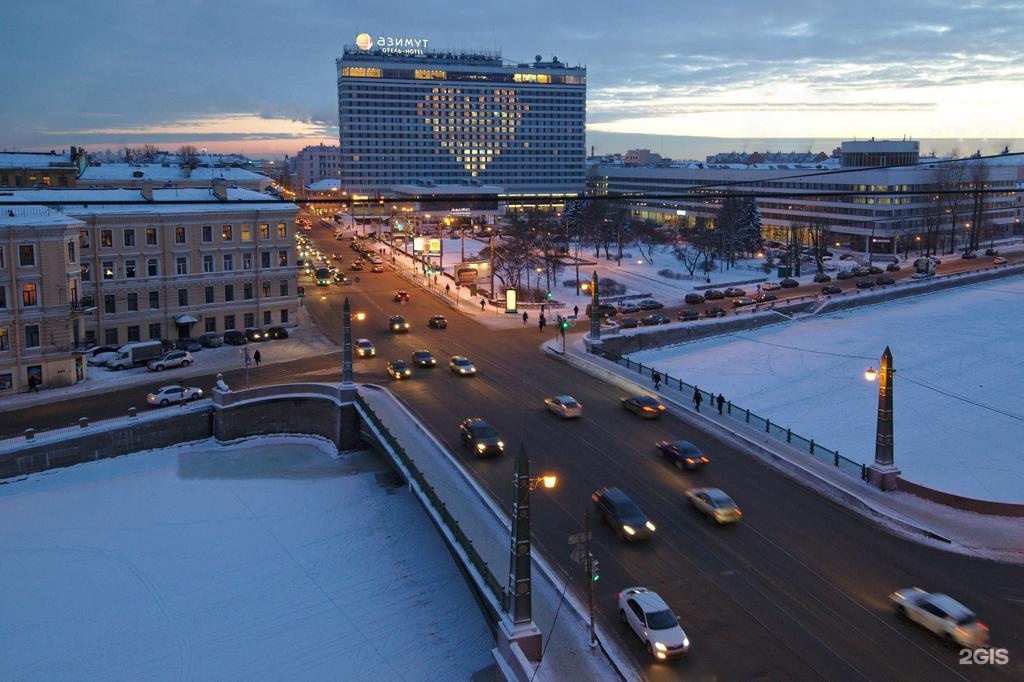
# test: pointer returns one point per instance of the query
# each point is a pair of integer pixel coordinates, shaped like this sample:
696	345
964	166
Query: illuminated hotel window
361	72
429	74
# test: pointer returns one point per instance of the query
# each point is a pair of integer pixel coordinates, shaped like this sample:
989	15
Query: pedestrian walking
257	357
721	401
542	322
483	302
448	290
526	318
697	398
33	383
576	311
656	377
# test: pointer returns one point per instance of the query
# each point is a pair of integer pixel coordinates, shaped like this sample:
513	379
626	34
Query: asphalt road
798	590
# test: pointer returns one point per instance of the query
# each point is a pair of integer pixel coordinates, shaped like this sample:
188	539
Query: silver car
944	616
173	394
175	358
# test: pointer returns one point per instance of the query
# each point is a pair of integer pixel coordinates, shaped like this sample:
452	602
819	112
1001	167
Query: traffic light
563	325
549	294
595	570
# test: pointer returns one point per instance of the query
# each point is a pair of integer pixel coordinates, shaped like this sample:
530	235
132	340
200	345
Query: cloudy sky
259	77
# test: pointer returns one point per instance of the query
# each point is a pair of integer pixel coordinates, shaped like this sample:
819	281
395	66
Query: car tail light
690	460
703	459
982	626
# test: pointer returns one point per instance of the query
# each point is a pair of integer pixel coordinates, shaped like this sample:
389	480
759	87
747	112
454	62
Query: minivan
604	310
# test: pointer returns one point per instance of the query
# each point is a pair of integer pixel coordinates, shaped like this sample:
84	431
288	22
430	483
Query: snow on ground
305	340
959	383
267	559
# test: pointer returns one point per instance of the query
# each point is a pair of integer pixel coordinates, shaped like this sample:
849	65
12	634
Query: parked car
682	453
831	289
999	260
191	345
821	278
765	297
968	255
875	270
650	304
733	292
423	358
788	283
255	334
743	301
643	406
892	267
714	295
277	333
565	406
173	394
211	340
688	315
604	310
845	274
622	514
693	299
991	251
714	311
398	324
628	307
176	358
101	355
922	275
865	283
883	280
233	337
480	437
365	349
460	364
771	286
629	323
650	619
136	354
437	322
654	319
398	369
846	256
944	616
714	504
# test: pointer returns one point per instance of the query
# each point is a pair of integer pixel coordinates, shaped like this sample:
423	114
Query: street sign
578	542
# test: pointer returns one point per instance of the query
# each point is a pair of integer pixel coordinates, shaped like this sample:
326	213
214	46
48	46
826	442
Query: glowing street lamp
883	472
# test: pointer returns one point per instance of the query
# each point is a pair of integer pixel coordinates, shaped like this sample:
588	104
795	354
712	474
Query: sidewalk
996	537
568	654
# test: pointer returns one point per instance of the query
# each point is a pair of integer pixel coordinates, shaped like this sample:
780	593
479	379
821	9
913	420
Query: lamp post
346	347
883	472
595	315
521	628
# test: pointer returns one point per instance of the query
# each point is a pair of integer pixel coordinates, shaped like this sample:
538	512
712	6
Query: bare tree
819	232
978	178
188	156
951	178
148	153
646	236
511	259
693	248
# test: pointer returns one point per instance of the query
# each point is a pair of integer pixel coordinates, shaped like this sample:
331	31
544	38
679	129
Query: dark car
788	283
865	283
875	270
714	311
398	369
650	304
688	315
693	299
480	437
893	267
234	337
682	453
255	334
277	333
401	297
603	310
821	278
714	295
438	322
356	265
846	256
643	406
398	325
191	345
211	340
655	319
423	358
831	289
734	292
991	252
860	271
764	297
621	513
967	255
341	278
629	323
845	274
883	280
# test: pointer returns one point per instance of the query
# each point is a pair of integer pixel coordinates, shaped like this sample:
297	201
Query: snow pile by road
263	560
959	383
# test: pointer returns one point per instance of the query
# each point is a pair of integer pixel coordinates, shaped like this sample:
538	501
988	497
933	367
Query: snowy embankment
268	559
959	383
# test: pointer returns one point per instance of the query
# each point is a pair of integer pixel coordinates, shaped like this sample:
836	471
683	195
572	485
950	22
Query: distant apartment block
50	169
315	163
41	316
168	174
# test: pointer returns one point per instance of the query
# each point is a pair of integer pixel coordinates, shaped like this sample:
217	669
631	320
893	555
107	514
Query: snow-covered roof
11	216
34	159
325	185
85	201
159	172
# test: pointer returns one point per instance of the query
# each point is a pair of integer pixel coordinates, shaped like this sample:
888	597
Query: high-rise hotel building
409	115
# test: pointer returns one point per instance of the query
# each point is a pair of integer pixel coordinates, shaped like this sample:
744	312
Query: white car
173	394
459	364
101	359
652	620
771	286
714	504
175	358
628	307
944	616
565	406
365	348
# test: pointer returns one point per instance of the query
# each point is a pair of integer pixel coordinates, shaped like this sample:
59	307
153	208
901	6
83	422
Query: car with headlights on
437	322
398	325
365	349
944	616
714	504
401	297
423	358
565	406
643	406
460	364
622	514
173	394
765	297
742	301
398	369
480	437
650	619
682	453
